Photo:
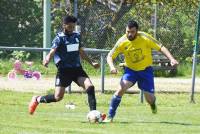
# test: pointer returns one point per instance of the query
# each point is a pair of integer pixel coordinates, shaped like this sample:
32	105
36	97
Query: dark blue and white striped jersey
67	50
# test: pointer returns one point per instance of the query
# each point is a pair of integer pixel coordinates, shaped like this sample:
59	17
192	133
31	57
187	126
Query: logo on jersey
66	42
77	40
72	47
57	81
135	55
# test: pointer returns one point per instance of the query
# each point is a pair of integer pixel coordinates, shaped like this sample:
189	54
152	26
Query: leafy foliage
20	55
103	21
174	18
20	23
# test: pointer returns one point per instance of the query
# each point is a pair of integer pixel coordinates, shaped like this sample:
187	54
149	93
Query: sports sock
115	101
154	102
153	106
91	98
47	99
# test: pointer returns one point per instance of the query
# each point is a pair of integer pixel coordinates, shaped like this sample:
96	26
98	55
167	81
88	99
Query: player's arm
114	53
55	44
110	62
49	57
158	46
166	52
85	57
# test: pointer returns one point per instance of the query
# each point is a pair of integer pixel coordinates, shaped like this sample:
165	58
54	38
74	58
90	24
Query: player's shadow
172	123
161	122
149	122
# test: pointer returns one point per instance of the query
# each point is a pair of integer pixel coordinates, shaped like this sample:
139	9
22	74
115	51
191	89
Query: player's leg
146	83
151	99
87	85
128	80
57	96
62	81
82	79
116	98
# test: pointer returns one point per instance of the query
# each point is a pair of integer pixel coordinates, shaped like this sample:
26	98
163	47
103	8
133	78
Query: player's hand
174	62
45	63
113	71
95	65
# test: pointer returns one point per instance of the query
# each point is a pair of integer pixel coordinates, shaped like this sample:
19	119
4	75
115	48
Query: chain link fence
101	24
21	24
172	27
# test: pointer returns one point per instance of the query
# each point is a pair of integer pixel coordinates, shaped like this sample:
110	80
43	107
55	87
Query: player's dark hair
132	24
69	19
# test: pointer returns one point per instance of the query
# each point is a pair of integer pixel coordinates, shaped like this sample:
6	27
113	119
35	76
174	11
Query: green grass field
176	115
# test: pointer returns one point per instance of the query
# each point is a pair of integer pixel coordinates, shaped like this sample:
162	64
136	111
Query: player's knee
119	92
150	98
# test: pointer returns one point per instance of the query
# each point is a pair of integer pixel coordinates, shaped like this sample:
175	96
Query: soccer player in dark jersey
67	50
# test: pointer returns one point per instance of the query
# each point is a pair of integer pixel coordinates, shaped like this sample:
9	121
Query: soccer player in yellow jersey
137	48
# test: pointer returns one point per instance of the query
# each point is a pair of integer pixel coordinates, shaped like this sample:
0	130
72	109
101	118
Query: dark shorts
65	76
144	78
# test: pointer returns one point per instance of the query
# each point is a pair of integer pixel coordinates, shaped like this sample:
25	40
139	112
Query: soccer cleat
33	105
154	108
108	120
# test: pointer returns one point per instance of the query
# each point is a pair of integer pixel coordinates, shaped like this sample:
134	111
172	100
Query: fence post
141	96
102	71
155	21
47	25
196	47
76	8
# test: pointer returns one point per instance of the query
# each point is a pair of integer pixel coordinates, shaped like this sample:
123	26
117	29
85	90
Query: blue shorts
144	78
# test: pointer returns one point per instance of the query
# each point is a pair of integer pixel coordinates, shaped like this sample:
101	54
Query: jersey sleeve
153	43
79	40
117	49
56	42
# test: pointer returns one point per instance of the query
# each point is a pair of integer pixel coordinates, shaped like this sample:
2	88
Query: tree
103	21
98	19
21	23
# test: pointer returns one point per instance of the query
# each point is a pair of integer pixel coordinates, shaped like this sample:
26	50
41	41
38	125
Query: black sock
154	104
91	98
48	99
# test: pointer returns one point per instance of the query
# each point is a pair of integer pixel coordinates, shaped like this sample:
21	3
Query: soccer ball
95	116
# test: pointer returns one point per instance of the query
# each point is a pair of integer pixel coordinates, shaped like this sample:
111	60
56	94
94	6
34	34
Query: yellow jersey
137	53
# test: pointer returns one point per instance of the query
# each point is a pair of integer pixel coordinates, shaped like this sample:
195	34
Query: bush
184	69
